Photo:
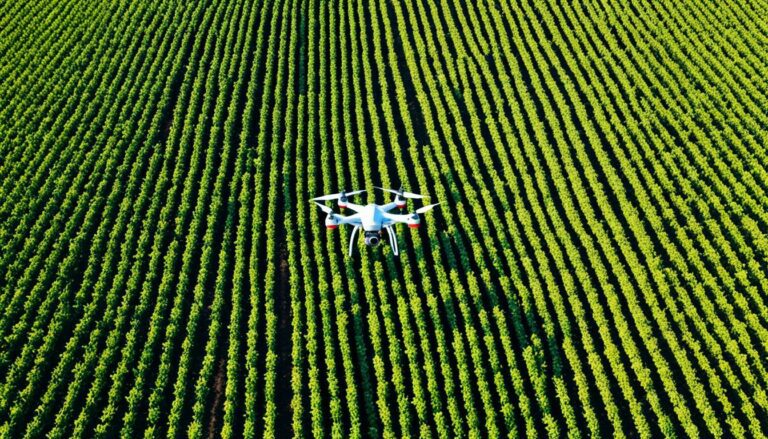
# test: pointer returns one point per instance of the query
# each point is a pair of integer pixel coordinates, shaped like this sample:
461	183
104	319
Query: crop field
598	265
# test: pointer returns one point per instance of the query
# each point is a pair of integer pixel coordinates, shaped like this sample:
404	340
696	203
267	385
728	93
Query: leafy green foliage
597	266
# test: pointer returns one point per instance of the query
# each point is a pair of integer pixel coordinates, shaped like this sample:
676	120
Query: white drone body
372	218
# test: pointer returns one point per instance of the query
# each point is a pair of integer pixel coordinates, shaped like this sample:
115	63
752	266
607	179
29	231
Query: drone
373	218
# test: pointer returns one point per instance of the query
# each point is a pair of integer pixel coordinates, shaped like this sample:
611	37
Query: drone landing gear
352	239
392	239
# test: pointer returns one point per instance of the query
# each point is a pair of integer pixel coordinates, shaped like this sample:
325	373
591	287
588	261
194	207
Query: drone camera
372	238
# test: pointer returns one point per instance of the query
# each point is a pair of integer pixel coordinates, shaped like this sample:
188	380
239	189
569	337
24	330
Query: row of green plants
596	268
62	290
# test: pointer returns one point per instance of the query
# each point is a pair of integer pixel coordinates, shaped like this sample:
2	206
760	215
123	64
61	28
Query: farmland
597	266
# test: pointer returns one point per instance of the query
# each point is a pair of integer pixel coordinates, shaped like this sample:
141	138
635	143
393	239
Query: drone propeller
341	194
325	208
426	208
402	193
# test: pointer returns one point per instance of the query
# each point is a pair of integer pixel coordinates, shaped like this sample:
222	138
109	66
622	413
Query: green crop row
596	266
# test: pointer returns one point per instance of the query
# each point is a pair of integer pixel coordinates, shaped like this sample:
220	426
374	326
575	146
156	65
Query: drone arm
354	207
387	207
397	218
352	239
404	218
352	219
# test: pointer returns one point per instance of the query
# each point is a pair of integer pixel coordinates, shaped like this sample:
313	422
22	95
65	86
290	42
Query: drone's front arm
393	218
387	207
351	219
352	206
